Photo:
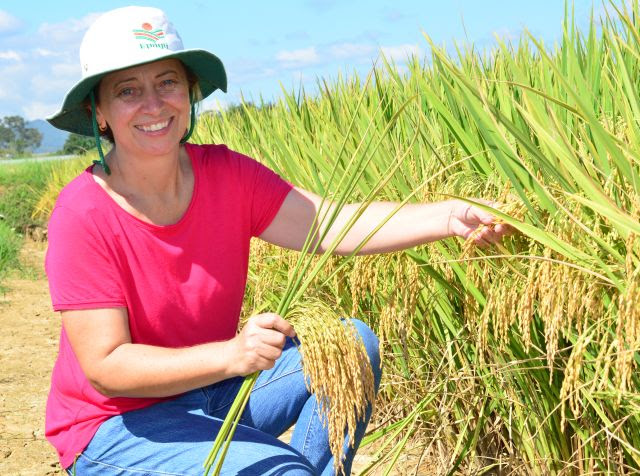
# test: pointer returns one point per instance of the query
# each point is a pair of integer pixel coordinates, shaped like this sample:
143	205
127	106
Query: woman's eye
126	92
168	83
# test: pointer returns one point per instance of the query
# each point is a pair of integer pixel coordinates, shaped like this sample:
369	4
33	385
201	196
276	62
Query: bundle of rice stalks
337	368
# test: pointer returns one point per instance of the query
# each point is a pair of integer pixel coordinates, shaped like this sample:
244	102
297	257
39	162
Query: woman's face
147	107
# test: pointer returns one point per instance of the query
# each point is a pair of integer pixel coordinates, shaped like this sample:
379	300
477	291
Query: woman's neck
149	176
155	189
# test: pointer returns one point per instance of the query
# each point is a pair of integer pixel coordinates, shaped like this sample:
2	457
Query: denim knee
372	345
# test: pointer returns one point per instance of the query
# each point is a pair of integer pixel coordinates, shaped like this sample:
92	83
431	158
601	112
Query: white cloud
401	53
38	110
45	53
66	70
68	31
243	71
8	23
47	85
298	58
10	55
39	66
12	75
352	50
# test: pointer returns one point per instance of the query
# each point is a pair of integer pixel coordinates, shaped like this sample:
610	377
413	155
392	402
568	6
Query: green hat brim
74	117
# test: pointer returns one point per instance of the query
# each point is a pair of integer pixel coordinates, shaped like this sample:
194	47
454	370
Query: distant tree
6	136
16	136
78	144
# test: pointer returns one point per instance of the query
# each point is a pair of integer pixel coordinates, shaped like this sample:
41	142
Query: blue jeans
174	437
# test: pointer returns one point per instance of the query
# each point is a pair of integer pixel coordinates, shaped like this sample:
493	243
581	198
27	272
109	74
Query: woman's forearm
412	225
409	226
138	370
118	368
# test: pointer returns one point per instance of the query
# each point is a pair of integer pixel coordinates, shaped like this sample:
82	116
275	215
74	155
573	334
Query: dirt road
28	347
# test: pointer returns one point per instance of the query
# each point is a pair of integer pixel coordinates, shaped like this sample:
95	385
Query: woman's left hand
468	221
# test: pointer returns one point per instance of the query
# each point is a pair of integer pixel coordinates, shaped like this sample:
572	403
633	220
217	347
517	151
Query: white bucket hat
127	37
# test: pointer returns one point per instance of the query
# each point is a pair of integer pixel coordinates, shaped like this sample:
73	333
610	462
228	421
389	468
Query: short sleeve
80	266
266	189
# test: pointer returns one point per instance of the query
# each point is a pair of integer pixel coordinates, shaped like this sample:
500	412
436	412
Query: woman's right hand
259	344
117	367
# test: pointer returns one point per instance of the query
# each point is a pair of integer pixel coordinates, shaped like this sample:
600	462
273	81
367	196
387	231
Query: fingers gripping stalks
260	343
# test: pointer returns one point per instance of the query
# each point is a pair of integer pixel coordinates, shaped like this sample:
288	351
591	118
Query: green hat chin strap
193	119
96	135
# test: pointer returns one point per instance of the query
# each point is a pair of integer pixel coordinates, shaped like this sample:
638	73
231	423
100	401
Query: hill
52	138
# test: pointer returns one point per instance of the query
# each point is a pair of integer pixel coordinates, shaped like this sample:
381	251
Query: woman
147	263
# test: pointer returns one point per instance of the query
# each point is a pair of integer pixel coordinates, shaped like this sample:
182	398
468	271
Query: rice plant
59	175
344	402
521	358
20	186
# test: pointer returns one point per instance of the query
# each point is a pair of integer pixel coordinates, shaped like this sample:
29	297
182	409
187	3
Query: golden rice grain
338	369
570	391
628	331
526	305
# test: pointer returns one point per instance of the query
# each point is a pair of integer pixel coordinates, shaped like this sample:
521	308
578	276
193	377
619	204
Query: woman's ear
102	123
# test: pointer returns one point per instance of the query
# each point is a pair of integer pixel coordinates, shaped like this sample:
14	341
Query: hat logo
147	33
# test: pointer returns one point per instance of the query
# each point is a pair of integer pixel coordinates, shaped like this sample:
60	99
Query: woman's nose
151	100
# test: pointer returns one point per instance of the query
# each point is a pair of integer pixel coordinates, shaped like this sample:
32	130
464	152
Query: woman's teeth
154	127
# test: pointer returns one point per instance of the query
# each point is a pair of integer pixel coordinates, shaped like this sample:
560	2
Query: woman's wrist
225	356
454	209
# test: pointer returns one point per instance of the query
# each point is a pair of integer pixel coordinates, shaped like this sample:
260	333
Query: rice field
517	359
20	189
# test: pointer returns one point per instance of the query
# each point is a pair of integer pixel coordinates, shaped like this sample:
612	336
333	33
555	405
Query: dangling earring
96	135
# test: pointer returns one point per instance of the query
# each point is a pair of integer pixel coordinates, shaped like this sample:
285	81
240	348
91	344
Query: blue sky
263	44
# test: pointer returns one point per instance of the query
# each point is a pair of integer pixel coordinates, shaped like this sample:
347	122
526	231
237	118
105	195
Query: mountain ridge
52	139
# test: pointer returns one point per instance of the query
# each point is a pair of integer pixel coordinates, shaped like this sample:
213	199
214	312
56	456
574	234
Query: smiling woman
147	264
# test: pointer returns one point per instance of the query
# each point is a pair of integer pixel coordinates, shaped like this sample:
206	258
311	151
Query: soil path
28	347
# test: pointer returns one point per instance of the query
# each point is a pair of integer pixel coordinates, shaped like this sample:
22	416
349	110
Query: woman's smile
156	127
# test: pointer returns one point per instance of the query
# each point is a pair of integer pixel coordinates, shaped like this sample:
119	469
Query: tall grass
21	186
522	358
58	176
9	247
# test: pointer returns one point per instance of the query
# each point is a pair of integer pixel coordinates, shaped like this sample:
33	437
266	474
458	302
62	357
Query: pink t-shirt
182	284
